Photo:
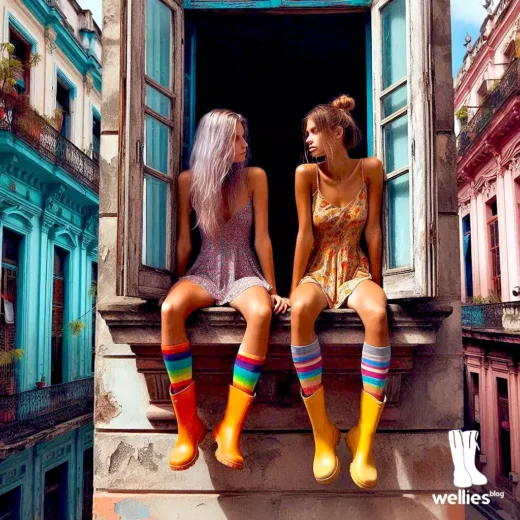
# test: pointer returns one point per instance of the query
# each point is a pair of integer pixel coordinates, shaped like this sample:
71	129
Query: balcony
28	413
500	320
508	87
44	139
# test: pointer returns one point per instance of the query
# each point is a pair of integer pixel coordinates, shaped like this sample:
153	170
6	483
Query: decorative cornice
50	39
488	188
66	231
89	82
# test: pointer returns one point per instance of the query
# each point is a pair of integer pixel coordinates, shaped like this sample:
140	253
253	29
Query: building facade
487	102
49	188
487	97
192	55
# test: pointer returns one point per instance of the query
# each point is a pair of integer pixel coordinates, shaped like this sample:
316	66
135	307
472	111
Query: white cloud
470	12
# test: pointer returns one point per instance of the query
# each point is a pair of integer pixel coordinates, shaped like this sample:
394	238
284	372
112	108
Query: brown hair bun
344	102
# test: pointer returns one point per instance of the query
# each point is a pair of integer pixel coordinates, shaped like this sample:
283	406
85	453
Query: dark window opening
504	428
88	482
9	290
22	51
96	136
56	493
10	504
94	300
275	58
468	267
63	103
58	307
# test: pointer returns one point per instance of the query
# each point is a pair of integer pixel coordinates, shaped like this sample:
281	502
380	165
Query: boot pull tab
476	442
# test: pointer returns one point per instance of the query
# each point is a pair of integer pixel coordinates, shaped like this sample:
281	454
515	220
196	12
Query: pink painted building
487	103
487	123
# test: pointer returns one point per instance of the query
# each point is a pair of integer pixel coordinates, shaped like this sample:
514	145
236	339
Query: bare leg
255	305
307	302
183	298
369	301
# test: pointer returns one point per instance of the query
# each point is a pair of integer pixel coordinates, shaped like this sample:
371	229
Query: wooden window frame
494	252
137	279
418	279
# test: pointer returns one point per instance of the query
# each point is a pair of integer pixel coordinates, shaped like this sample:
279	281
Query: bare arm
183	228
263	246
373	235
305	238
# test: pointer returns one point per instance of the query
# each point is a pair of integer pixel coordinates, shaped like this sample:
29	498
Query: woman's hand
279	304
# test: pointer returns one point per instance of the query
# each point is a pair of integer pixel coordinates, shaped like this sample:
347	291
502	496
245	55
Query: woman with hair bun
338	201
229	199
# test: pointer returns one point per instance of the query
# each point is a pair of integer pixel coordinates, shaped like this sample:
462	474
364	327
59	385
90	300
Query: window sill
215	334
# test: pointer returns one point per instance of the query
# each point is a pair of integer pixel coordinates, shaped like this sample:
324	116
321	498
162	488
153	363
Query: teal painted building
49	198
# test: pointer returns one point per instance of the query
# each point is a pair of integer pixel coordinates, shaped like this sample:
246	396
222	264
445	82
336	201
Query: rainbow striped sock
247	371
375	362
308	364
177	359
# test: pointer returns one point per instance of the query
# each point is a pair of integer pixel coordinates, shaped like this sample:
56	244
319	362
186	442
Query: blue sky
466	17
95	7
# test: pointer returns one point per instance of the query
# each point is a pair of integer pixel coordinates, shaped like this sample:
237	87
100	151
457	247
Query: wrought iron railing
32	411
508	86
492	316
46	140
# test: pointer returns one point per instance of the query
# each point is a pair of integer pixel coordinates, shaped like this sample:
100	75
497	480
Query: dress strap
362	172
317	180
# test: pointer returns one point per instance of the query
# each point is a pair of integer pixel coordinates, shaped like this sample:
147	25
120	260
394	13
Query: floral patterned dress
337	262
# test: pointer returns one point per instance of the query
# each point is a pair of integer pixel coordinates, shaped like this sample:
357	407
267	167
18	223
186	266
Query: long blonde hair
213	171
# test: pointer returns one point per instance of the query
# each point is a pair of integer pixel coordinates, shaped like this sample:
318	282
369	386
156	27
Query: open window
393	111
153	137
22	51
494	246
402	134
96	134
8	312
59	284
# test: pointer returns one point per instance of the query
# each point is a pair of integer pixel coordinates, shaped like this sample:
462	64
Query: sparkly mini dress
227	266
337	262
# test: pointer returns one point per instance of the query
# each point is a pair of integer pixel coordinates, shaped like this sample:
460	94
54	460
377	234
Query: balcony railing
42	137
33	411
508	86
503	317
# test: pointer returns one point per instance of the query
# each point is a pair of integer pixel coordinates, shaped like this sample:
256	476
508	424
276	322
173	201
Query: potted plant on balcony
26	120
41	382
56	120
11	69
462	115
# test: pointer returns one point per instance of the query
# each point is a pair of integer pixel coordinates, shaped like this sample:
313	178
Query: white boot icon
470	447
461	477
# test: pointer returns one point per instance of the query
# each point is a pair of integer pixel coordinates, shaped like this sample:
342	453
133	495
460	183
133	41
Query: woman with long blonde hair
229	198
339	201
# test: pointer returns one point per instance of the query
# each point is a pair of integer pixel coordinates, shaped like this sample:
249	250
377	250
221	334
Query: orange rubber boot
191	430
227	432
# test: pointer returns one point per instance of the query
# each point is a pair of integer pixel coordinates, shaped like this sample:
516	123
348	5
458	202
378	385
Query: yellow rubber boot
227	433
191	430
360	442
326	464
